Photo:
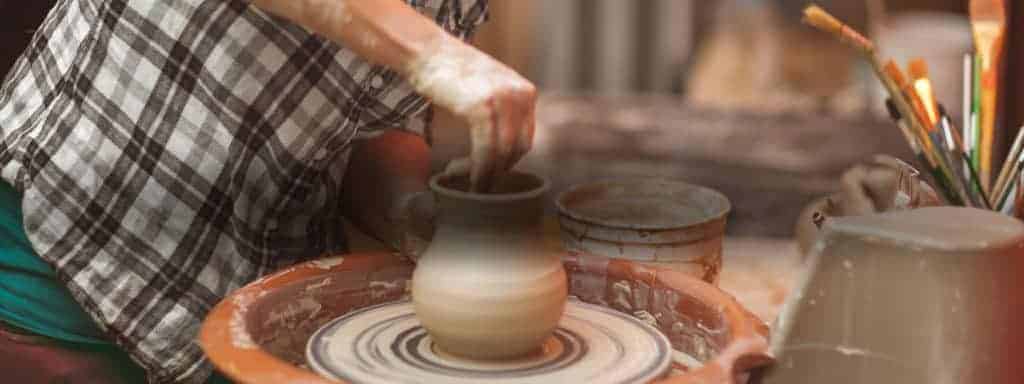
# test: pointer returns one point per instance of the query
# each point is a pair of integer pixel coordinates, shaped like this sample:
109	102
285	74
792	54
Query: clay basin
258	333
657	222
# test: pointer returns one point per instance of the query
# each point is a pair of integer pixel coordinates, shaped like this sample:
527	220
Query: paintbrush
922	158
893	73
820	19
915	147
1017	209
930	143
975	138
970	114
959	155
912	142
1004	193
1008	164
921	88
988	23
896	76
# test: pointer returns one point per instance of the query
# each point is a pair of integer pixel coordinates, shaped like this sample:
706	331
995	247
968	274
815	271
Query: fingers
499	146
467	166
483	155
508	120
524	135
479	181
515	126
457	167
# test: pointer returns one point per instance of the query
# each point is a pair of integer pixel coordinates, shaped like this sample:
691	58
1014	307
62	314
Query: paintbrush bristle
989	10
918	69
894	73
817	17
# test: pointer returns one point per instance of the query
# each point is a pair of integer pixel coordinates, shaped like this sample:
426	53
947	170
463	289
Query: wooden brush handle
988	123
989	43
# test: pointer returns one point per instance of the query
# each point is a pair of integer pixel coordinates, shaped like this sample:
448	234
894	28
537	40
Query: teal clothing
31	296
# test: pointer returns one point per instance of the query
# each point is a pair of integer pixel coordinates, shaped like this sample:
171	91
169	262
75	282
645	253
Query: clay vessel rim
881	228
543	185
565	209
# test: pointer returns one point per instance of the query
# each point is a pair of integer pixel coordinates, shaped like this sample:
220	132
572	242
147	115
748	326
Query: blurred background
737	95
752	54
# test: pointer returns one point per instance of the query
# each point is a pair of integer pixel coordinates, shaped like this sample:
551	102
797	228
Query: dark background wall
18	20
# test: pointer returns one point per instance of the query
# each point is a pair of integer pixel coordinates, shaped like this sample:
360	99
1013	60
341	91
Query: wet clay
486	287
385	344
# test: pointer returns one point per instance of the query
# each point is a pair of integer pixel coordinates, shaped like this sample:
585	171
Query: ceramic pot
486	287
657	222
928	295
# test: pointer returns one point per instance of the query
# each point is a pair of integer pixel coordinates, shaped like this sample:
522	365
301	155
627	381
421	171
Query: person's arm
497	102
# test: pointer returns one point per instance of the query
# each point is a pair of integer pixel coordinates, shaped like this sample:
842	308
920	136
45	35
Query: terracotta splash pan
257	335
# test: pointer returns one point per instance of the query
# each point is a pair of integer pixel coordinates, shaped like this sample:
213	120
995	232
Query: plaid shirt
169	152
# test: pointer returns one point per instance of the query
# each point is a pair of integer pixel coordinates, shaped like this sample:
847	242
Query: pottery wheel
386	344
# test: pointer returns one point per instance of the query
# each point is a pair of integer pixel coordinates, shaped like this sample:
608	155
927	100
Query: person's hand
495	101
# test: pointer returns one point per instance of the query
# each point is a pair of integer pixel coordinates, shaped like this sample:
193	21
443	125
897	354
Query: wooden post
1012	95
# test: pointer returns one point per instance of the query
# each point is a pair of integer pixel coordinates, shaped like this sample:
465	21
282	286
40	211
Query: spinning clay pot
486	287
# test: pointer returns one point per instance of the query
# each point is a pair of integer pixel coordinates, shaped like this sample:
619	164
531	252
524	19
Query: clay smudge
267	278
646	317
686	360
380	289
285	316
850	351
641	293
384	284
456	76
328	263
840	348
240	336
319	285
709	330
621	293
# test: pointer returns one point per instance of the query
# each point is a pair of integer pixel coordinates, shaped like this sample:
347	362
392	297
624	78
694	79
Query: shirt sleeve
169	152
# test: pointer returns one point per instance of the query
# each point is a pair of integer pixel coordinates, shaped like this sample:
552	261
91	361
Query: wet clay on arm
497	102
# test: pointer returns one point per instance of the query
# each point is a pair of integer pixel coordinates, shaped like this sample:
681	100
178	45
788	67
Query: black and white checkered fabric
170	151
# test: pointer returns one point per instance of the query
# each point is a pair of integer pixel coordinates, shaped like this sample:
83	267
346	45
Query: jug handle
415	223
